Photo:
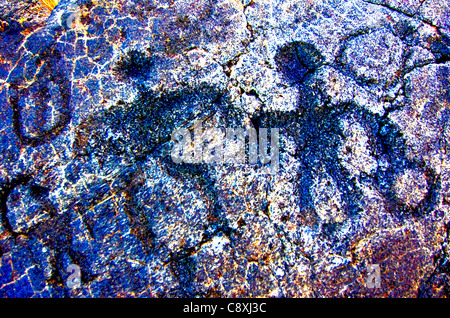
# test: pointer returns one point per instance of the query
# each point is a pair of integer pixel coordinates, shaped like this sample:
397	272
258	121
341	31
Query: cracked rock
24	208
92	92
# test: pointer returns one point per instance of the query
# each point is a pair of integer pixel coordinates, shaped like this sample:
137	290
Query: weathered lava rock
91	93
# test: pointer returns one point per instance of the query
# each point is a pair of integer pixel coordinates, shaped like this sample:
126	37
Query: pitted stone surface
91	92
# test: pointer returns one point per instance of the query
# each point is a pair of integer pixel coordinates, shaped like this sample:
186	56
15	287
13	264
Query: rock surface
91	93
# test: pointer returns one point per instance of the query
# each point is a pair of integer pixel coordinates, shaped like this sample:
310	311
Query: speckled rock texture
91	93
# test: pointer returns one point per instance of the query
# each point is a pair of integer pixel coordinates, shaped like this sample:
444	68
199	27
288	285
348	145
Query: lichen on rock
91	94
